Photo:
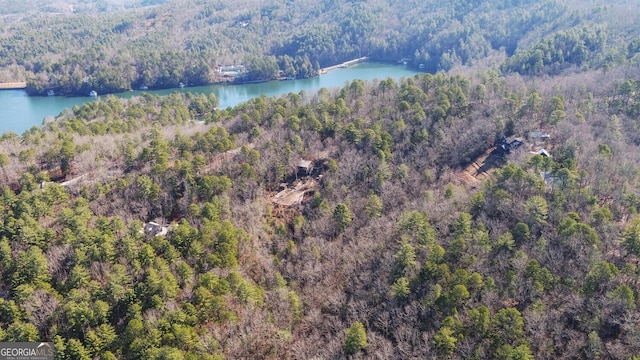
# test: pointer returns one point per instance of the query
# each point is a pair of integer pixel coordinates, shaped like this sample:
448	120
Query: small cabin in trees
549	179
542	152
155	229
507	144
539	135
539	138
304	167
231	70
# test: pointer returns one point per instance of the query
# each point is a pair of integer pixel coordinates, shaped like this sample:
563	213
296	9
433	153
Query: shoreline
322	71
21	112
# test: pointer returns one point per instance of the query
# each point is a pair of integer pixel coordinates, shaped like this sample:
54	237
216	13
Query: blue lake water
19	112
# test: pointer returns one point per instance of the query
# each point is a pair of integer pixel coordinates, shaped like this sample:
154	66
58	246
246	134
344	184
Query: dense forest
485	211
74	48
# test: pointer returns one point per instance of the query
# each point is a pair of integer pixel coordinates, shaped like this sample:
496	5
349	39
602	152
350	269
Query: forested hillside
485	211
395	251
16	11
108	47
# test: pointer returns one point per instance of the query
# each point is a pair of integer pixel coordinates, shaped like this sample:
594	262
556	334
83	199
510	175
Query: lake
19	112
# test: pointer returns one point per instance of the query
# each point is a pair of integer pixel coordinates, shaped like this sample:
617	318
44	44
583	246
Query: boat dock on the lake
343	65
12	85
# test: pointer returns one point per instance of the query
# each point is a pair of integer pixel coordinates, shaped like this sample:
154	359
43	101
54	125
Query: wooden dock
343	65
12	85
